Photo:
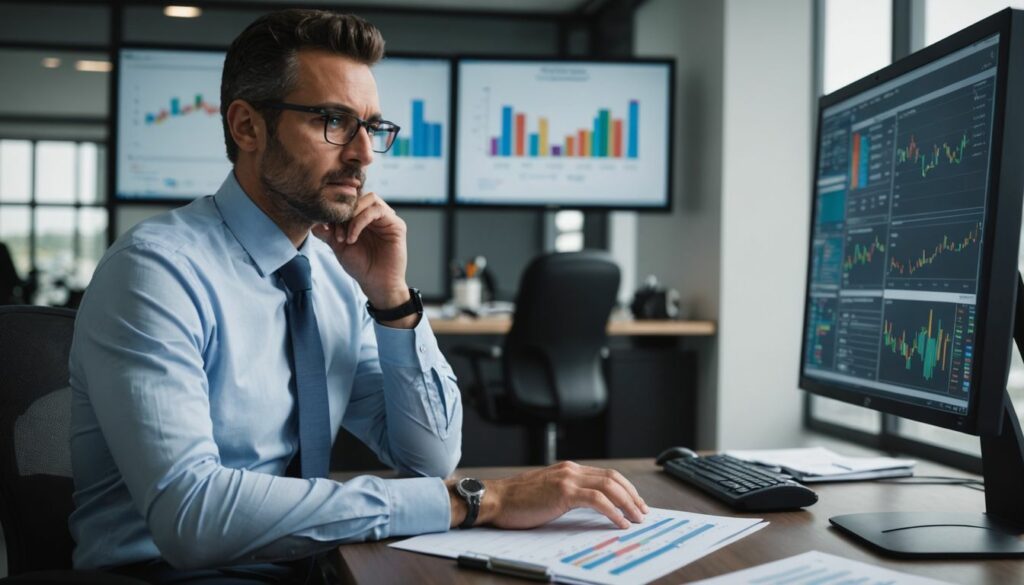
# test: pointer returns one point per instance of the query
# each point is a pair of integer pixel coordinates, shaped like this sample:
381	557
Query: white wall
682	248
767	159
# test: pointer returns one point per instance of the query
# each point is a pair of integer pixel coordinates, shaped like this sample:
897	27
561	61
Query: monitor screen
564	133
170	143
900	211
416	95
170	140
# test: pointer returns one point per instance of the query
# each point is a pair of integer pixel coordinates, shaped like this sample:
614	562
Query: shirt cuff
418	505
408	348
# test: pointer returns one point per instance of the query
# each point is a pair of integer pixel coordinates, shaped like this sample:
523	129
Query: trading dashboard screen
416	95
170	143
896	244
563	133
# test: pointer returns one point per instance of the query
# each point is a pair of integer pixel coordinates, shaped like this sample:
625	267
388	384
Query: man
219	348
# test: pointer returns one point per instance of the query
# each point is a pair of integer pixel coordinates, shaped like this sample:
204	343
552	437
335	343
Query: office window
857	39
944	17
52	213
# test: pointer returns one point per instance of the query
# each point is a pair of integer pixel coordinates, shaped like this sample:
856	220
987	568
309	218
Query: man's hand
539	496
371	247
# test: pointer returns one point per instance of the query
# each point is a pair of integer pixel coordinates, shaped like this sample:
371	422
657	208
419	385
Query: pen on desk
522	569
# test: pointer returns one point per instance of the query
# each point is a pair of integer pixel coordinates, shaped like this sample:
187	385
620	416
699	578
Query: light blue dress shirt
184	413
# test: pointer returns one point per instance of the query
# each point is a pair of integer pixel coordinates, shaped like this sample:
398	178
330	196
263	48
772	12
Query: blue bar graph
534	144
630	536
865	160
632	119
602	560
658	552
423	140
506	131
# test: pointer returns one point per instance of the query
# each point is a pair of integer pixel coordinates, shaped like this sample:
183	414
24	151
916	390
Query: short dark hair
261	65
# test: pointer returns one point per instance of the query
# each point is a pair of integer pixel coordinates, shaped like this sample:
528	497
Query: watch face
471	486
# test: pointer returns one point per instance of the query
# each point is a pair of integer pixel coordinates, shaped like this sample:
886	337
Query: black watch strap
413	306
472	511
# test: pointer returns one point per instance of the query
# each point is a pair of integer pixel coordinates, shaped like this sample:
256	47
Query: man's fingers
618	495
363	219
591	498
621	480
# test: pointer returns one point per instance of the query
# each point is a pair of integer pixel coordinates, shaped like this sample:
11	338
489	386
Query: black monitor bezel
115	196
997	275
667	204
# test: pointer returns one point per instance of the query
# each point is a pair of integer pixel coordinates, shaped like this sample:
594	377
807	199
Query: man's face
316	181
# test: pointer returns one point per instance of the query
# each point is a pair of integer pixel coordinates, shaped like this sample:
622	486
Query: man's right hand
536	497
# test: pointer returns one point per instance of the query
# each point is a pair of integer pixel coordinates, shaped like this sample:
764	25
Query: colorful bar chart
607	137
594	556
859	160
176	109
423	140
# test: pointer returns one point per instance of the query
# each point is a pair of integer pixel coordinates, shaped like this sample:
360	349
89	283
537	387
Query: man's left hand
371	247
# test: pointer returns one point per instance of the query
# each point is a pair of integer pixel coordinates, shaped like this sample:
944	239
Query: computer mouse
673	453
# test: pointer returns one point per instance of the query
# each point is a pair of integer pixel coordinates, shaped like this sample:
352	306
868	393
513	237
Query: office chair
10	282
551	360
35	458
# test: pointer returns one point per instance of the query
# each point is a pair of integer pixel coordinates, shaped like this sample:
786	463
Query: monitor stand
999	532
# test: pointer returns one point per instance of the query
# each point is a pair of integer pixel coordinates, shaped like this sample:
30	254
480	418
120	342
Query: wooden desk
500	326
788	534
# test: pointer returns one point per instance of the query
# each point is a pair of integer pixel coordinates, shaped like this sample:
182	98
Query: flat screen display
170	143
564	133
416	95
170	140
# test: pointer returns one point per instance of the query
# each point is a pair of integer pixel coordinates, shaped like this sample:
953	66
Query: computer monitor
577	134
415	93
912	272
170	138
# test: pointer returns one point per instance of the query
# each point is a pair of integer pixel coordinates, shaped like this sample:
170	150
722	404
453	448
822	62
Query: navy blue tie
309	370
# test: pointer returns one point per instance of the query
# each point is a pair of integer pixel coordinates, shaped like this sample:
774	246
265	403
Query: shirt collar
265	243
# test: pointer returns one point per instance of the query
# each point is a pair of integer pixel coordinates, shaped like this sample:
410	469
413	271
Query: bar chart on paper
416	95
582	545
817	568
563	133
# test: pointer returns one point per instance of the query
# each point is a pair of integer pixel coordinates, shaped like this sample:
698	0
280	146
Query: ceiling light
183	11
94	66
51	62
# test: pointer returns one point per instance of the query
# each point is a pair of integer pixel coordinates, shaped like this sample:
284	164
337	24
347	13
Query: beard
295	193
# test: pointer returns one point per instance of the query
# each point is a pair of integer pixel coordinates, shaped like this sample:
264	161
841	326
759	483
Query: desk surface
788	534
500	325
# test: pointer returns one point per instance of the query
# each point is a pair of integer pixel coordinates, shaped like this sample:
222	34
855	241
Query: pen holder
467	293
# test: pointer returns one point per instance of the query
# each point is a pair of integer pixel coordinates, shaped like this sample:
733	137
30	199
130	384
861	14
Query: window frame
33	205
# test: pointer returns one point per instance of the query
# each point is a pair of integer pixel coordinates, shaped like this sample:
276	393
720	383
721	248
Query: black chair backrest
9	279
552	354
35	426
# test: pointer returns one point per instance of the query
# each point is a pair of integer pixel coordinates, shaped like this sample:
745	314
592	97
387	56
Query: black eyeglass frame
371	126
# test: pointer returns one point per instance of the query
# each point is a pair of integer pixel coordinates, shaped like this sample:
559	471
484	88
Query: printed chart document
818	568
820	464
583	546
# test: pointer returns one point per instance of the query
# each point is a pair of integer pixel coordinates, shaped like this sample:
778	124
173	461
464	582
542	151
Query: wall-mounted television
575	134
170	139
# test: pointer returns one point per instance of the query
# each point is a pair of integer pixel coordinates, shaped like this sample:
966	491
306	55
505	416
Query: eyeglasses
340	128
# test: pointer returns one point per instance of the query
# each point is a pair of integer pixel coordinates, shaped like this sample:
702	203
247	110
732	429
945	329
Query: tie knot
296	274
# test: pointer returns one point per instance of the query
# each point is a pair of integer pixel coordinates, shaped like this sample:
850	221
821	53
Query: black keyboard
742	485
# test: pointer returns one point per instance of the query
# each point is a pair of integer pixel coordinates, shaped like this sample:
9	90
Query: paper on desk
583	547
819	462
817	568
